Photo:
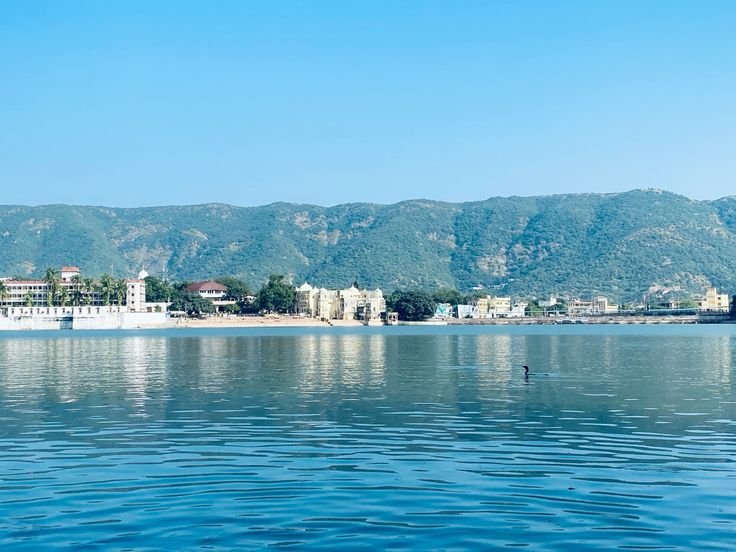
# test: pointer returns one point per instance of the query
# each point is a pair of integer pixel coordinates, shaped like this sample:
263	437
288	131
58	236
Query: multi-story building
214	291
209	290
69	289
345	304
577	307
491	306
599	305
72	290
135	295
714	301
67	301
602	306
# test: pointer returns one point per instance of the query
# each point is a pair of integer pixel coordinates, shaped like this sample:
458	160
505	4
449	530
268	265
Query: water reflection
344	439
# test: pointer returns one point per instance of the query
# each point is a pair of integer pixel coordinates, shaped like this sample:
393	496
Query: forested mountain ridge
580	244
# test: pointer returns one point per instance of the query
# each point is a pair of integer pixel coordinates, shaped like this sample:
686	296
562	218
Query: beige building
345	304
599	305
602	306
577	307
491	306
714	301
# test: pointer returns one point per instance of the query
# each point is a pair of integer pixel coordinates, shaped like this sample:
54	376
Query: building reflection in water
147	374
721	359
326	361
214	357
145	367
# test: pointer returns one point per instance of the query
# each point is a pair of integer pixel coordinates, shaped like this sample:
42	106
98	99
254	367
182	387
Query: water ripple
367	440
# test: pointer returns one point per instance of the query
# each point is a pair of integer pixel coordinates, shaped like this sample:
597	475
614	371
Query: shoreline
262	322
291	322
286	321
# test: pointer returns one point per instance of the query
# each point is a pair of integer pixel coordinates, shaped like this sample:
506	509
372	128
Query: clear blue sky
132	103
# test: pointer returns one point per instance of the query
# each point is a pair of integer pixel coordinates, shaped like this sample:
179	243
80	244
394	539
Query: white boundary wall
81	318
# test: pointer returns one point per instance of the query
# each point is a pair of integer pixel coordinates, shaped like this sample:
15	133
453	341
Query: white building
72	302
210	289
135	295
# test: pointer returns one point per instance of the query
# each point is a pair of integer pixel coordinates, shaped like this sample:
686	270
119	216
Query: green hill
583	244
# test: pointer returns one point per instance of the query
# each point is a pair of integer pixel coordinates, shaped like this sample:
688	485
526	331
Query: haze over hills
583	244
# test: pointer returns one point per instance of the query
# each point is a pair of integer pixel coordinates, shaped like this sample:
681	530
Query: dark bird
526	370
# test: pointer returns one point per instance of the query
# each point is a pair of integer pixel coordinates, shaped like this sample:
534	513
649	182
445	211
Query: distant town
64	299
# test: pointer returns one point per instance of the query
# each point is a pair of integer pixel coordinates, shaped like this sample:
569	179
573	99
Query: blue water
623	437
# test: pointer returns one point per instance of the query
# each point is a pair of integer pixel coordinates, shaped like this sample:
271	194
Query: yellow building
714	301
491	306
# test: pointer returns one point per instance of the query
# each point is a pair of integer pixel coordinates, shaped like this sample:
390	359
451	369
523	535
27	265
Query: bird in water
527	373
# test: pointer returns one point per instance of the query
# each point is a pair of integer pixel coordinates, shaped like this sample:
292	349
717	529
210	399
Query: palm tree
77	297
52	280
120	290
107	284
3	291
76	290
63	296
29	298
88	288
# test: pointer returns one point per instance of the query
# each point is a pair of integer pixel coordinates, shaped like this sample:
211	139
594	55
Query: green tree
559	308
119	290
3	291
412	305
534	309
29	299
52	280
157	290
107	288
191	303
88	290
75	293
63	296
237	289
277	295
231	309
448	295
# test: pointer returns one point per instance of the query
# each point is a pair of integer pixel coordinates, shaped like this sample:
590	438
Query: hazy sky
127	103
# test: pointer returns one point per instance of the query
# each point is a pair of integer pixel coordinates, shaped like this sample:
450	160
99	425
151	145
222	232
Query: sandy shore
295	321
262	322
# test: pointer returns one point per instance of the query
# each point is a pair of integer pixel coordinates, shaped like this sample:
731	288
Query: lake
622	437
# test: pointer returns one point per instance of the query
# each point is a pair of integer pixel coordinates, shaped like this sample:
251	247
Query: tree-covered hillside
617	244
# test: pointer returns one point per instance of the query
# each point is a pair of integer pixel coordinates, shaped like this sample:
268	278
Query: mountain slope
617	244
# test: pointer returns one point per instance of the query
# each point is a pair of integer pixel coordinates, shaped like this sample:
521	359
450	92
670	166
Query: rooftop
209	285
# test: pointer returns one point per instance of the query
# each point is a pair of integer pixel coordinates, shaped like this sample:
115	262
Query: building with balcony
714	301
345	304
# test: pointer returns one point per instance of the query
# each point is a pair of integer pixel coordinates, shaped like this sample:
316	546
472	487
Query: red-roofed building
213	291
209	290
